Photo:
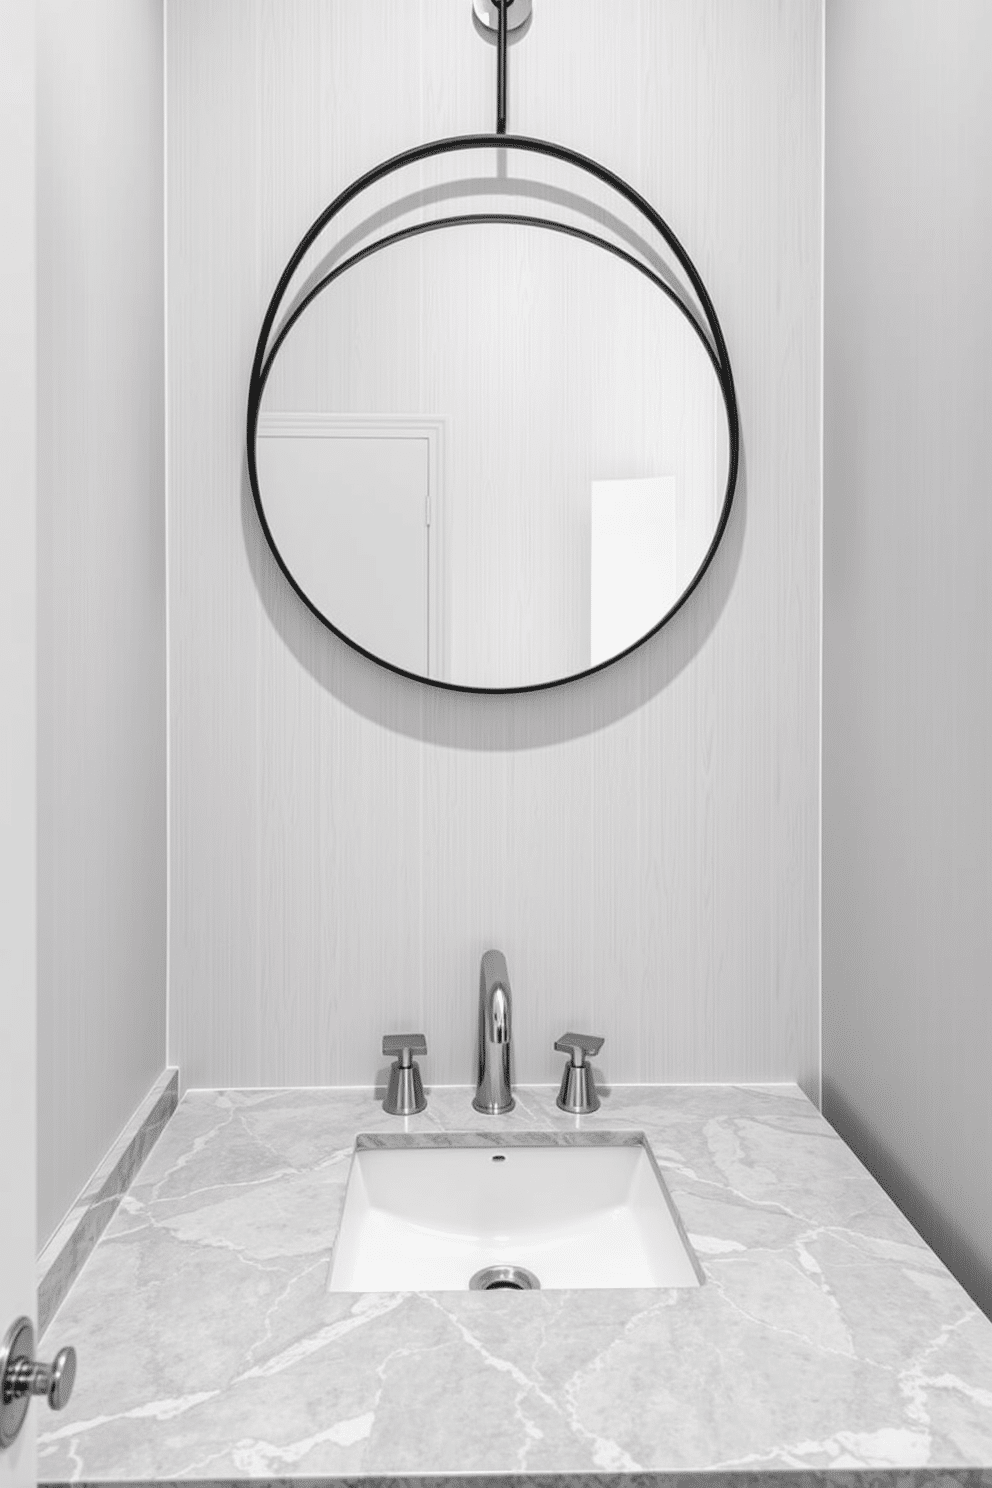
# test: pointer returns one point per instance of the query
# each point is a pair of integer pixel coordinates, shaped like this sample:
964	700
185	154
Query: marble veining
66	1252
827	1343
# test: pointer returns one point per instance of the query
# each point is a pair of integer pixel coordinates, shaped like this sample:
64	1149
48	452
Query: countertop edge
922	1477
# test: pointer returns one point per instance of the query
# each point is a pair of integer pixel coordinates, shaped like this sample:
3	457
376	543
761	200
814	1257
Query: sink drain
504	1279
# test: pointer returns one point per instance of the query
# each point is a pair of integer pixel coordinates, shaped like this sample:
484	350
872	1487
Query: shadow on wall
927	1212
527	720
464	192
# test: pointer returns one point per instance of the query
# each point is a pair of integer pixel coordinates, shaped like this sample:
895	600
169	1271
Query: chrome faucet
493	1094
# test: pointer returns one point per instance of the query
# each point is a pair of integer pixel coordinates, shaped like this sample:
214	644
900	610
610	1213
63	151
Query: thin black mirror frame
717	350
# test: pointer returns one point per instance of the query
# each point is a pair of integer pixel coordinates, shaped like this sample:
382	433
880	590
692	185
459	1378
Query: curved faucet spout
497	1014
493	1094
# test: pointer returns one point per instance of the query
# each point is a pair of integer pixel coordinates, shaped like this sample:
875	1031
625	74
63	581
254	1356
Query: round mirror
494	448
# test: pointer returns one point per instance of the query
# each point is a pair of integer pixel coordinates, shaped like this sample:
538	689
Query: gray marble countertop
827	1341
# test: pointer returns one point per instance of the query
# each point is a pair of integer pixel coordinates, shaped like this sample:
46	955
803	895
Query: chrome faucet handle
405	1093
579	1045
405	1045
578	1095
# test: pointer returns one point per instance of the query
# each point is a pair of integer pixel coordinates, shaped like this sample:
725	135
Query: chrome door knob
21	1376
54	1380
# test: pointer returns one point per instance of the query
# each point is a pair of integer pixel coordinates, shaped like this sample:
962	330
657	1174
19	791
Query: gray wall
644	846
907	682
102	880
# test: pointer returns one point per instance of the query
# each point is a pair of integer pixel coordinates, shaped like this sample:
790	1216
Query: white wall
643	846
907	703
18	691
101	582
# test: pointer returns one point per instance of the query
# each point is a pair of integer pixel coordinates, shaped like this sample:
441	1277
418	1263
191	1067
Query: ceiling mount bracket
487	14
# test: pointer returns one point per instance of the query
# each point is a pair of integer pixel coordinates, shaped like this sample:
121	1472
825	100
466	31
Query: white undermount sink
429	1214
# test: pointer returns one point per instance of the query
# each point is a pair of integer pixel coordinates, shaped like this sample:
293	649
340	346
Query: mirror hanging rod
501	16
503	6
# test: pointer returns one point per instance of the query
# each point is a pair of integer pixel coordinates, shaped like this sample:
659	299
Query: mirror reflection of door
355	516
555	369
